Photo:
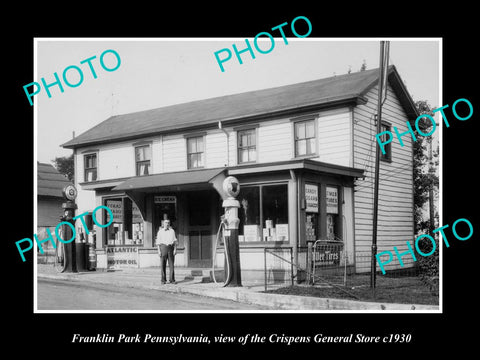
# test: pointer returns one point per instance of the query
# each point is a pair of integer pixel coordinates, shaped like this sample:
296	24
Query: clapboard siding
334	137
395	214
157	156
216	149
108	166
274	141
174	153
232	147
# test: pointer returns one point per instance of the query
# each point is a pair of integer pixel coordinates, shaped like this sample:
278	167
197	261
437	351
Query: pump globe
231	186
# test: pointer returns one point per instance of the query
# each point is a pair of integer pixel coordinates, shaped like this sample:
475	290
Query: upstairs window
304	138
195	152
90	167
247	146
387	147
143	155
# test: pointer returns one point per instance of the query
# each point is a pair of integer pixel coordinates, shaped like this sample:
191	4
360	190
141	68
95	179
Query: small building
50	183
303	154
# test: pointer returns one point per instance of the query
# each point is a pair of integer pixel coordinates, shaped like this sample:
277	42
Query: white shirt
166	236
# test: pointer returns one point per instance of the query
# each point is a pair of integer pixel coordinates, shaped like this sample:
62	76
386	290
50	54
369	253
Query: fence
330	271
278	269
327	259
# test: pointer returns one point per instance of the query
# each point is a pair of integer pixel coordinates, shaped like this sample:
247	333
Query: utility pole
382	94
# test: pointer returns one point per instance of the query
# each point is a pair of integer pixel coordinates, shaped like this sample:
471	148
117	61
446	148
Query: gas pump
229	224
69	207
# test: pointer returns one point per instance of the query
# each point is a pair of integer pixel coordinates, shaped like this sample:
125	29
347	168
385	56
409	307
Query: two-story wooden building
303	153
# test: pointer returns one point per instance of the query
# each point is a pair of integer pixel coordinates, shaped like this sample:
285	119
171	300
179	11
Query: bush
429	265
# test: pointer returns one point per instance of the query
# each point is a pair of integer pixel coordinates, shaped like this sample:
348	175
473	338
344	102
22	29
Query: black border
430	332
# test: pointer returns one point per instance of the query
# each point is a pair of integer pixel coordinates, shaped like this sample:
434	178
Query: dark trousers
166	253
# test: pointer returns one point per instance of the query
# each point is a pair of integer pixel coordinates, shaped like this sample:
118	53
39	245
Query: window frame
128	223
387	157
203	152
260	187
253	131
86	169
138	163
305	119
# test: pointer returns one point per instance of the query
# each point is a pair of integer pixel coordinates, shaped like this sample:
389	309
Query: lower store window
127	227
322	218
333	227
263	213
332	217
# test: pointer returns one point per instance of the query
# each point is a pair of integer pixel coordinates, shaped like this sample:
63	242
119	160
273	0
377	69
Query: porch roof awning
182	178
301	164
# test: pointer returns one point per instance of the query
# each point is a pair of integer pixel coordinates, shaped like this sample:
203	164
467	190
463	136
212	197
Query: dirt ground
405	290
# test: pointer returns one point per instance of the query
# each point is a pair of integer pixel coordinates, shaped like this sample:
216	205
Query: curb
245	295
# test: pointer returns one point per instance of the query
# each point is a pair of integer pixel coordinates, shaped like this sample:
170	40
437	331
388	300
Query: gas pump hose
227	257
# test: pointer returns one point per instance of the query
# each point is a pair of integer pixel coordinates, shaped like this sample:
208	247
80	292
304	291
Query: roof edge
403	95
400	90
350	99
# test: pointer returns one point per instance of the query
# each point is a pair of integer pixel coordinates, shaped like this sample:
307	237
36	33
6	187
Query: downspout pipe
228	141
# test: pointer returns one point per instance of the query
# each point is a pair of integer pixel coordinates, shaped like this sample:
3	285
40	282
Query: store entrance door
201	210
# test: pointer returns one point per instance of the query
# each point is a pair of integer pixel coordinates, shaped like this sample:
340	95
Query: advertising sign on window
117	210
332	200
311	198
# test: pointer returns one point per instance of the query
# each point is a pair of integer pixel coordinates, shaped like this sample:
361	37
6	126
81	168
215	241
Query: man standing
167	248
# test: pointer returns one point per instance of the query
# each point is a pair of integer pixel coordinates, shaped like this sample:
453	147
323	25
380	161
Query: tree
424	170
65	166
426	182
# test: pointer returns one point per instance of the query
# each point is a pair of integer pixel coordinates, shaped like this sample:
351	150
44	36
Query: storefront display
311	227
263	213
271	215
311	210
127	227
330	227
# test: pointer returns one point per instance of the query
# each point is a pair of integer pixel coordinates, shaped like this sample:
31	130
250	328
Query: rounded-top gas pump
231	205
69	207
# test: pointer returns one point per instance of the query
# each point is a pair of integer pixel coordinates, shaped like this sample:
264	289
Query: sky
159	72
